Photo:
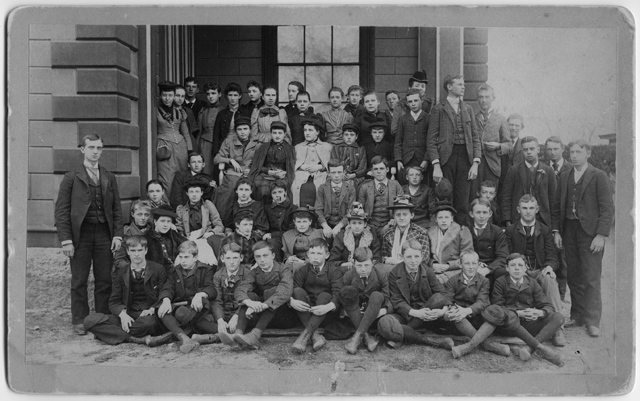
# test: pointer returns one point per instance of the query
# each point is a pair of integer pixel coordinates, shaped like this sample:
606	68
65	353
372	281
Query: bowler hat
163	211
167	86
314	120
278	125
401	202
444	205
351	127
356	212
501	317
308	210
349	295
420	76
242	121
197	181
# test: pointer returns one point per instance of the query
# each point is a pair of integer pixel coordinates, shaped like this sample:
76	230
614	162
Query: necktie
94	174
316	269
555	167
137	274
478	231
231	280
336	190
413	275
381	187
364	281
528	230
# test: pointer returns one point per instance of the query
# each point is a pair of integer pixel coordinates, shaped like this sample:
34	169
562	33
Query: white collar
234	273
584	168
527	225
87	164
385	182
531	165
560	163
416	115
517	281
480	228
453	100
465	278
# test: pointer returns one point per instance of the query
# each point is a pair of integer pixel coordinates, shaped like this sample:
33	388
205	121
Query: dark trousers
352	308
541	329
310	321
94	246
281	318
584	269
110	331
201	323
456	170
561	273
449	327
484	174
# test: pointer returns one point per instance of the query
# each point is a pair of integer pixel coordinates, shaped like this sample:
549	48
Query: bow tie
268	112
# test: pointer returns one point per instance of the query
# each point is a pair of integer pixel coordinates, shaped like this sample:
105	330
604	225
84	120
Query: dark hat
278	125
167	86
242	121
244	214
308	210
196	181
315	120
420	76
444	190
349	295
501	317
379	123
437	301
444	205
401	202
164	211
184	315
351	127
356	212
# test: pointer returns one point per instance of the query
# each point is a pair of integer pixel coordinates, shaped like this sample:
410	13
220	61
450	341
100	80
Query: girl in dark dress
244	189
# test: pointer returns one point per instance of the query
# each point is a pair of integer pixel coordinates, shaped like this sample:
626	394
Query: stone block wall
476	56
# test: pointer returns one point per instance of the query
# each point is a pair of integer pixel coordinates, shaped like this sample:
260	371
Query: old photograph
346	200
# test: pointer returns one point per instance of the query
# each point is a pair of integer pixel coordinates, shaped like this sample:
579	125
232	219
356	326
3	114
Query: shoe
394	344
137	340
158	340
496	348
226	338
550	355
370	341
439	342
524	353
352	345
186	344
250	340
79	329
593	331
558	339
461	350
574	323
206	338
318	341
300	345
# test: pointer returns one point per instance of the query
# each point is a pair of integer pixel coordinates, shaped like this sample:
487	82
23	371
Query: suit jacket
219	279
456	240
222	124
323	201
441	128
289	239
516	155
279	217
155	251
411	138
402	109
491	245
373	149
280	277
175	290
529	295
595	201
425	201
211	221
154	279
545	248
328	280
545	188
232	148
399	288
366	194
73	203
377	281
475	295
415	233
495	129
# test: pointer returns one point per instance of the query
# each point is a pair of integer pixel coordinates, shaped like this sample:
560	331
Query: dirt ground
50	340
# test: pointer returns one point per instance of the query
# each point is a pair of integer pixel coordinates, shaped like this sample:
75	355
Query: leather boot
136	340
186	344
550	355
371	342
352	345
227	339
525	353
496	348
250	340
318	341
558	338
461	350
300	345
439	342
159	340
206	338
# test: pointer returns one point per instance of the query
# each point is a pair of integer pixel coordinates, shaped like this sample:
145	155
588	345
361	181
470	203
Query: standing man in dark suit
514	155
555	148
191	100
586	213
89	221
453	143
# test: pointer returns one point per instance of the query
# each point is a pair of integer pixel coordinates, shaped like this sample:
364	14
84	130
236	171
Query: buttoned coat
323	201
495	129
211	221
329	280
402	108
594	204
74	200
529	295
456	240
416	233
280	277
221	127
175	290
377	281
232	148
545	248
475	295
219	279
411	138
367	195
442	125
491	245
154	280
289	239
516	155
399	288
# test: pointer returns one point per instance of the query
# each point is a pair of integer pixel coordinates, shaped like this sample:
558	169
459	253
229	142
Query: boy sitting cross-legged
226	280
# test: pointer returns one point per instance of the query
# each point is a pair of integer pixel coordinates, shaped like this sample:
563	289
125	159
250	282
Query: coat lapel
403	284
586	179
522	172
104	183
449	110
126	278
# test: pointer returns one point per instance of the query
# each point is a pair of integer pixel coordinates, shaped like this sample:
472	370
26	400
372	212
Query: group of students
210	261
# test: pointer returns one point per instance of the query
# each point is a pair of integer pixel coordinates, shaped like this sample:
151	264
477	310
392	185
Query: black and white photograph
321	200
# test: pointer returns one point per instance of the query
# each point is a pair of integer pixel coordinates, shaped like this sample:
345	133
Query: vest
95	214
572	196
458	135
530	250
334	217
138	295
380	214
414	291
229	304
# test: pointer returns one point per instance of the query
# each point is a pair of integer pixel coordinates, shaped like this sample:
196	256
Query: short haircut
387	93
261	245
416	168
528	139
362	254
135	240
515	256
254	84
354	88
369	93
270	87
448	80
319	243
526	198
335	89
554	139
154	182
297	84
240	217
413	91
334	163
90	137
303	93
231	246
516	116
582	143
190	79
140	204
211	86
469	253
192	154
486	88
380	159
232	87
181	87
488	184
245	181
301	215
413	244
479	201
278	184
188	247
193	184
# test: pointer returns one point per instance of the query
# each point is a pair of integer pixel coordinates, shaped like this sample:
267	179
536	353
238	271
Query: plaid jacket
415	233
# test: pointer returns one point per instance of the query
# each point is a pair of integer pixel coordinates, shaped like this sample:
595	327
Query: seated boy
199	218
333	199
418	300
354	101
379	146
448	241
196	170
521	295
316	289
403	231
133	301
379	193
365	298
207	122
244	190
295	242
140	216
244	235
189	288
303	103
335	118
279	216
469	292
352	156
262	295
421	195
487	191
356	235
534	241
371	115
411	138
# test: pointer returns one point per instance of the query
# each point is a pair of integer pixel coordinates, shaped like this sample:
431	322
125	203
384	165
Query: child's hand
233	322
300	306
164	308
440	268
213	184
267	236
196	302
327	231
